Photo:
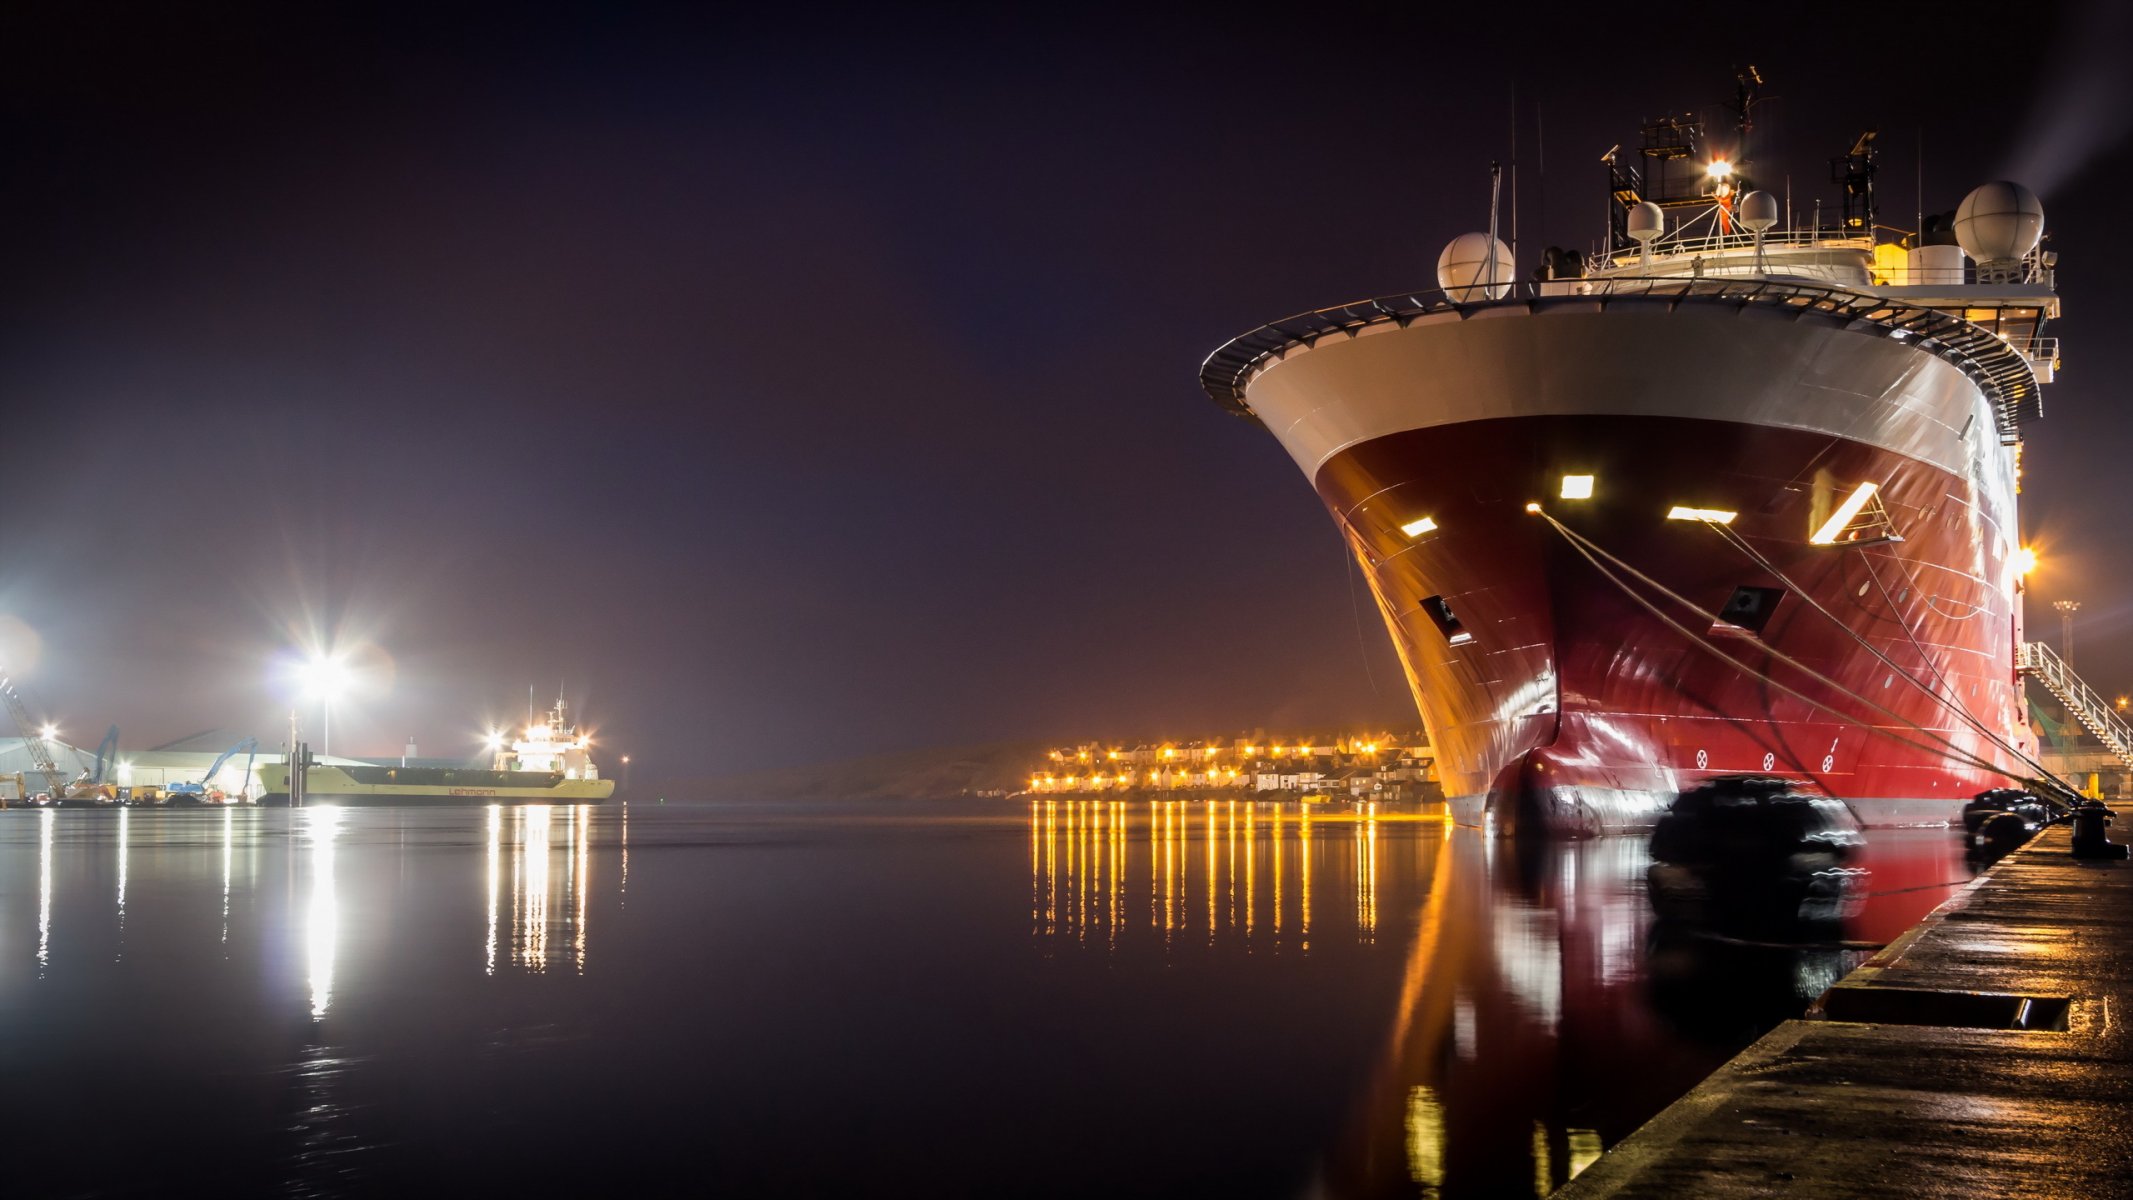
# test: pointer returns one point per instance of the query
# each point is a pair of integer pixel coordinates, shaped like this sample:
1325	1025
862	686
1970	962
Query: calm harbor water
963	998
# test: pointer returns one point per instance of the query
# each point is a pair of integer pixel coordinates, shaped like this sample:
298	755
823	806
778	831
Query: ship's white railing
2095	713
2037	349
1741	240
2038	267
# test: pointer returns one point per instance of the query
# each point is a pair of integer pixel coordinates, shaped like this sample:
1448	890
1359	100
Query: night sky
795	387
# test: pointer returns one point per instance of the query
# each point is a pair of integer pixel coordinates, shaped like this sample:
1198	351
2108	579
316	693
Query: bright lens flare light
1577	487
49	732
1716	516
2023	562
1719	168
1417	527
1827	535
324	678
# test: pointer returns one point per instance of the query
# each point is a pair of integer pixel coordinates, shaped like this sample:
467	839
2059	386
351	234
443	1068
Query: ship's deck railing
1741	240
2001	370
1785	248
2057	676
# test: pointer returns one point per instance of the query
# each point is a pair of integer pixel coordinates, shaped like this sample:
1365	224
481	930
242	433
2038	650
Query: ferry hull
1556	701
332	785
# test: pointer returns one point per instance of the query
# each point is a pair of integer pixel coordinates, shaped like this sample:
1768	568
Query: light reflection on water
1392	1007
1203	869
322	923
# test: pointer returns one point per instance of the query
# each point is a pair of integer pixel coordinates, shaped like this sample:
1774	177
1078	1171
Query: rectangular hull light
1417	527
1577	487
1717	516
1827	535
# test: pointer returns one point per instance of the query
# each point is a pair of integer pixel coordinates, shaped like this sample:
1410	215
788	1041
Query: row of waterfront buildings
1380	766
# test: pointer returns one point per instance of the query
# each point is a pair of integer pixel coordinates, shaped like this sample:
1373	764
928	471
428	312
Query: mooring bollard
2091	820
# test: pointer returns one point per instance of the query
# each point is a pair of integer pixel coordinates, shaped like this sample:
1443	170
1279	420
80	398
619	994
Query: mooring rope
1740	543
1588	548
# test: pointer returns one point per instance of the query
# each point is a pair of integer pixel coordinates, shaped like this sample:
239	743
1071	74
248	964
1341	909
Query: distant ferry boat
551	764
1732	496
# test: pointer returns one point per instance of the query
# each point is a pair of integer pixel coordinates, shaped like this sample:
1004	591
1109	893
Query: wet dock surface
1946	1082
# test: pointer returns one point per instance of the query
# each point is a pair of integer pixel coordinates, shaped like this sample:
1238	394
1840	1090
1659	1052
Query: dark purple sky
826	384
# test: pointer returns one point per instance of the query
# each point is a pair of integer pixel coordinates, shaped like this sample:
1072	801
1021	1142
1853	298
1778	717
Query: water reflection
124	816
322	919
1540	1016
551	884
229	849
45	821
1203	869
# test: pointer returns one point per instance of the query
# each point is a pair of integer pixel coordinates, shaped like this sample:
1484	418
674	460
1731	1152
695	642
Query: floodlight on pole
324	678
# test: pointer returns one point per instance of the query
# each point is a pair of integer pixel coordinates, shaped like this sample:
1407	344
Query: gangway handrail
2099	716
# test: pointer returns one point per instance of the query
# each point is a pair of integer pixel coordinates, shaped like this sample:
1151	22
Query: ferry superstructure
1736	496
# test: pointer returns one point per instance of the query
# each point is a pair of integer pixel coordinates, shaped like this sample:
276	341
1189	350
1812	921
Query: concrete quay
1986	1052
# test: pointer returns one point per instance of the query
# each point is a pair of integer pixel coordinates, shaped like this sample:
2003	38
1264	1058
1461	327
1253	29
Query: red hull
1572	707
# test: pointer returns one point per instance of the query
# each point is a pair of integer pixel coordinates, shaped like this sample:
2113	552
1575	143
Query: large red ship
1736	495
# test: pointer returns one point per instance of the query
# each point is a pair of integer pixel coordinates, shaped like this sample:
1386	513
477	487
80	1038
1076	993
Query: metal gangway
2096	714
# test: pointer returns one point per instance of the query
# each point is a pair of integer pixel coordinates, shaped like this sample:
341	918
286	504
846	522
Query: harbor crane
89	785
33	738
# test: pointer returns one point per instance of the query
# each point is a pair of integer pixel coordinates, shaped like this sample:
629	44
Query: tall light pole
324	678
2067	609
625	772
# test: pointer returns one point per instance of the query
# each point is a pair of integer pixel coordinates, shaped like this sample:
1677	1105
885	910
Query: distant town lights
1716	516
1577	487
1417	527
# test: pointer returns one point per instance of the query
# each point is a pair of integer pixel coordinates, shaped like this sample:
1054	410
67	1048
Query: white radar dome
1646	221
1475	267
1999	221
1758	211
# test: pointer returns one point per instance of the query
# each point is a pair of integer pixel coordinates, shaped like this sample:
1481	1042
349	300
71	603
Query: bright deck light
1577	487
1827	535
1717	516
1418	527
2023	562
49	732
1719	168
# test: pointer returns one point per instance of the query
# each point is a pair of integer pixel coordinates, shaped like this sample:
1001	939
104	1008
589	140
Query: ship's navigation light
1577	487
1716	516
49	732
1533	506
1827	535
2023	562
1719	168
494	739
1419	526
